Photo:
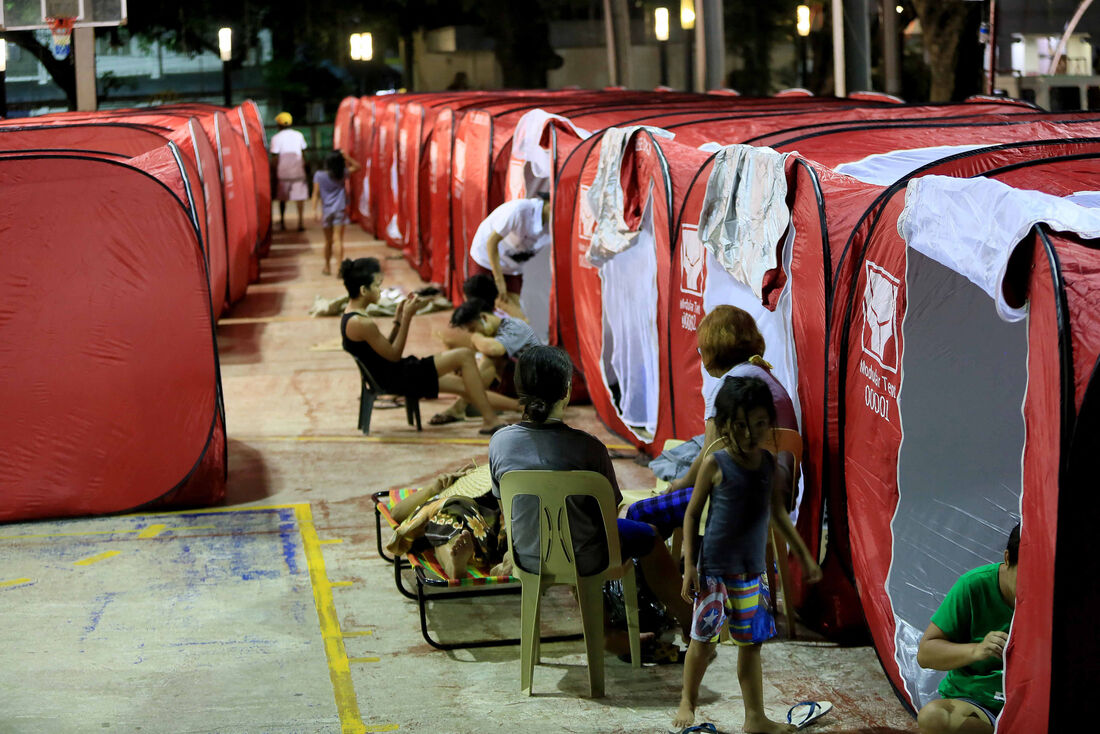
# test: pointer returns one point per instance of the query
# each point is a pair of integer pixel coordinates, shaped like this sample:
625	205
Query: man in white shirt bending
510	236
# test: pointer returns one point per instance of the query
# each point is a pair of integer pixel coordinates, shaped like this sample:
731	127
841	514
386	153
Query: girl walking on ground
727	576
330	203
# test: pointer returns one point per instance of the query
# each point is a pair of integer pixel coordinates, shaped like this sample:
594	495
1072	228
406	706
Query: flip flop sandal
804	713
491	431
442	419
704	727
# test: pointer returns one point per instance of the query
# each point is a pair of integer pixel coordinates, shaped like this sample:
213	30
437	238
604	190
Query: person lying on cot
477	287
512	234
730	345
967	638
542	440
454	371
457	517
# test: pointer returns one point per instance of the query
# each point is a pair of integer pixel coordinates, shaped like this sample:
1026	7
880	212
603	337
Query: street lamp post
361	48
802	25
660	29
3	81
225	51
687	23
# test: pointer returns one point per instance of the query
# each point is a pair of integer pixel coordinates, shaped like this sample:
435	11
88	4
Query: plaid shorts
665	511
744	599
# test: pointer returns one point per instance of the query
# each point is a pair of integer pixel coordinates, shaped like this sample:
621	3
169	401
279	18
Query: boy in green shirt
967	637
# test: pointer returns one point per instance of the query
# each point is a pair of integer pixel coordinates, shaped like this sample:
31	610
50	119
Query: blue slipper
707	727
804	713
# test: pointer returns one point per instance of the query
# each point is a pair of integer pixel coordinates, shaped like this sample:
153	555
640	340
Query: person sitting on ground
482	288
330	203
727	577
497	337
288	147
543	441
506	239
967	638
410	376
730	345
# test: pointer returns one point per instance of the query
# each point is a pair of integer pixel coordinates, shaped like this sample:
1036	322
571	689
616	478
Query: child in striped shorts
726	577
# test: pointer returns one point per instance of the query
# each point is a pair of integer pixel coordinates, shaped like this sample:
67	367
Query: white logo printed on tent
433	165
693	261
588	217
880	299
516	184
459	161
586	226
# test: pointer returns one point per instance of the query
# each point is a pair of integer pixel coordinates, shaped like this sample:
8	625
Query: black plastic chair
371	391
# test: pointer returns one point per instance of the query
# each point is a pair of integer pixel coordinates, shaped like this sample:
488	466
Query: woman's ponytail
543	377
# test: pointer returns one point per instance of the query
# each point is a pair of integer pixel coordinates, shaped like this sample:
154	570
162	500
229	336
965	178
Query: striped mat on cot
433	572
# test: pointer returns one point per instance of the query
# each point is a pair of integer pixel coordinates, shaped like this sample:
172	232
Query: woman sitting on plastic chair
543	441
453	371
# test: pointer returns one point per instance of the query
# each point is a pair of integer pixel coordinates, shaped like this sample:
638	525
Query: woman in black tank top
454	371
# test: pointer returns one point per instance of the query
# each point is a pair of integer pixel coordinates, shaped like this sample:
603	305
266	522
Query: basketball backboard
21	15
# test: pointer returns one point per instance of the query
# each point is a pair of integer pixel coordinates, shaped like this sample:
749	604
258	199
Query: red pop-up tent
130	139
967	347
658	395
251	128
124	411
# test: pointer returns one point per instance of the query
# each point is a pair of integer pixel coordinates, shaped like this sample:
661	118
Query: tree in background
943	27
752	28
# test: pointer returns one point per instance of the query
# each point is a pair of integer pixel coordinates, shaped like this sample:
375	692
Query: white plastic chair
558	565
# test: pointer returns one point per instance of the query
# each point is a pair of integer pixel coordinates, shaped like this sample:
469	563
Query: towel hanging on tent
745	212
612	234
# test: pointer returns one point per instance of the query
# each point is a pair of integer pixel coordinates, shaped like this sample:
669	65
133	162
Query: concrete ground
275	613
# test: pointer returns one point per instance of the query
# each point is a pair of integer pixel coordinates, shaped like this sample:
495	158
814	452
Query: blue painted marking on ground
288	534
97	613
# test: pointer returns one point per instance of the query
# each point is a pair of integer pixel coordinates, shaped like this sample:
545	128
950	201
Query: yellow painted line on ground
262	320
351	721
15	582
91	533
341	583
383	727
330	541
358	633
66	535
364	660
390	439
97	558
152	531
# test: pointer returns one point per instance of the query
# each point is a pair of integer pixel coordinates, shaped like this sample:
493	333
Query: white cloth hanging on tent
612	235
972	225
883	169
745	212
528	135
631	352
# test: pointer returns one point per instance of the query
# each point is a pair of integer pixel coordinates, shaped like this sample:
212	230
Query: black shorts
416	377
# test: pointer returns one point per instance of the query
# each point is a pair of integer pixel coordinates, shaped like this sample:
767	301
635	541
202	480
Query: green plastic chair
557	566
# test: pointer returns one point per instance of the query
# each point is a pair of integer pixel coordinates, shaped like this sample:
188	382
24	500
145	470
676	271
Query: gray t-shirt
515	335
553	446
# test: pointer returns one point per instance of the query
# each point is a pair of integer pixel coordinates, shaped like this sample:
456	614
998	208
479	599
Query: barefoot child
726	577
330	203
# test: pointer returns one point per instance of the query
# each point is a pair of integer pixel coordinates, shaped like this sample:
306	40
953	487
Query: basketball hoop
61	35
